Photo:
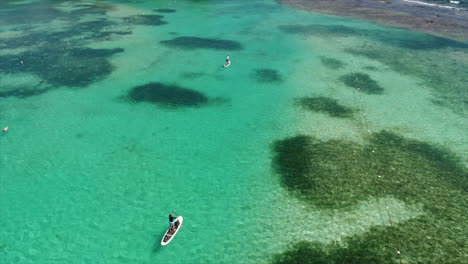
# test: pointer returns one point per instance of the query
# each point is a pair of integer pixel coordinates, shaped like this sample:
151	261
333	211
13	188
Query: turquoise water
136	117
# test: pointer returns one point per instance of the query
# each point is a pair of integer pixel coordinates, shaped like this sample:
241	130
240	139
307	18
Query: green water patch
192	75
337	174
21	15
24	92
324	105
191	43
319	30
396	38
164	10
363	82
46	11
371	68
331	63
444	73
267	76
96	30
146	20
94	8
169	96
358	252
93	53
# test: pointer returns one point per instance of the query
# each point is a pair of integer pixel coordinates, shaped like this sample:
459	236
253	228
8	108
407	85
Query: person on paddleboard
171	220
228	61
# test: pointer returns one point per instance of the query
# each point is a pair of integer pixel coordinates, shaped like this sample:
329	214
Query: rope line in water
364	120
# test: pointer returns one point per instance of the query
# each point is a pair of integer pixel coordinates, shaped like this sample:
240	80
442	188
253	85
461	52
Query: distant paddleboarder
5	129
228	62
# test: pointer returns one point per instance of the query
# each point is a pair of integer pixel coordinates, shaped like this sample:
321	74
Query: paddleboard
170	234
227	64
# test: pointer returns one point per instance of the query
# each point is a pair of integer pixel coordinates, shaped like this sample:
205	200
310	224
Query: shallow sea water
136	117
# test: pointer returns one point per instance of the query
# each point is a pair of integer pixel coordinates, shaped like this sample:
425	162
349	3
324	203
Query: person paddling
228	61
171	220
5	129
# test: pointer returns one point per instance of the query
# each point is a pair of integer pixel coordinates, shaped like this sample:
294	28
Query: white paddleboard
227	64
169	235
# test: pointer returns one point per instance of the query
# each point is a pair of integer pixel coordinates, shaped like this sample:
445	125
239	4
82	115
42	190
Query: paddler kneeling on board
171	220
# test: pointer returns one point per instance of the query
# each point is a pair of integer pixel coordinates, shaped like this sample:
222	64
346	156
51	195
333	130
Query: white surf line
429	4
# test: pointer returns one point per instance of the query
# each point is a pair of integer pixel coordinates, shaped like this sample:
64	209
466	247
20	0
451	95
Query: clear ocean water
120	112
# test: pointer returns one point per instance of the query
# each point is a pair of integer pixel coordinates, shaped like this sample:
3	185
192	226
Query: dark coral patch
371	68
315	170
267	76
93	53
202	43
192	75
318	29
92	8
332	63
417	41
363	82
324	105
313	253
147	20
403	39
164	10
337	174
445	75
25	92
340	173
78	71
95	30
167	96
61	58
66	67
445	163
292	161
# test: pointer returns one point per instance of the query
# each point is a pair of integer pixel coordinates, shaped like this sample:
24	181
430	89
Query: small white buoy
21	62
